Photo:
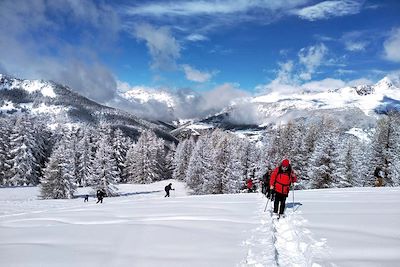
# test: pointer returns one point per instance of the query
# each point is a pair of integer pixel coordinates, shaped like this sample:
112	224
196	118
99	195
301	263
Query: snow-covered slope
355	107
58	104
330	227
369	99
145	95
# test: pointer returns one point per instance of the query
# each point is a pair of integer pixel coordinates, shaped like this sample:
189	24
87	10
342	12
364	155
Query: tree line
61	159
322	153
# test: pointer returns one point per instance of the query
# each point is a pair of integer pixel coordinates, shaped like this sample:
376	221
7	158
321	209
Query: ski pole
266	205
293	196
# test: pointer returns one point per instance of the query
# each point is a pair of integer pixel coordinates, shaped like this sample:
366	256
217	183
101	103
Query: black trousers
280	202
167	195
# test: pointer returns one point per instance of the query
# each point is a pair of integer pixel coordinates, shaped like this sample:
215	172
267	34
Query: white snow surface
330	227
31	86
144	95
346	97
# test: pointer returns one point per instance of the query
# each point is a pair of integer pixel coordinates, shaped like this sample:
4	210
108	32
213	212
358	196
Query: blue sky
247	45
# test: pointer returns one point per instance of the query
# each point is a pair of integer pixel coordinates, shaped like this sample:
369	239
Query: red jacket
249	184
281	181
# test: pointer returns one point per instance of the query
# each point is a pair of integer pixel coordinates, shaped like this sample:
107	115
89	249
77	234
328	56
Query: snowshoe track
293	242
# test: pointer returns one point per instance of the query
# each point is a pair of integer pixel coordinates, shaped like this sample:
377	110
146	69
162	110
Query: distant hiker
281	179
266	190
378	173
167	189
86	198
249	184
100	194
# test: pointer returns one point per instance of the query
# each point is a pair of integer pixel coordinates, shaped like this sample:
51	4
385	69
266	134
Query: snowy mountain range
59	104
357	106
365	101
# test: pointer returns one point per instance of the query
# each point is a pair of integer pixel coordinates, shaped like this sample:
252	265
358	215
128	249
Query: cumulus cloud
32	44
392	46
222	96
195	75
163	47
311	57
330	9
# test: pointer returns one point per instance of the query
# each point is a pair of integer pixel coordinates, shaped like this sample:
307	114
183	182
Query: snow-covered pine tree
325	157
141	163
200	166
84	148
160	149
345	172
121	144
182	158
393	168
233	181
169	158
307	147
58	179
220	159
4	149
385	148
105	170
23	163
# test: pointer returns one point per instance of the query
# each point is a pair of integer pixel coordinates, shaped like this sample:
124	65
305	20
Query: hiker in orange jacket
281	180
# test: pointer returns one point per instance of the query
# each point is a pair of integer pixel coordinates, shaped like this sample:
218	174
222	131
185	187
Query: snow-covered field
332	227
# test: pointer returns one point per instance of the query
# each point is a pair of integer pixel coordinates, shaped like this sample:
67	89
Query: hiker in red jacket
281	180
249	185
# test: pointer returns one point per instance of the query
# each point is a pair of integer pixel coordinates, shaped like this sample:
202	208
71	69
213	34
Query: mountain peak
385	83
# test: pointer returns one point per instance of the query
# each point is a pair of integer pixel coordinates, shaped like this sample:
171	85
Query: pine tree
169	166
120	145
23	163
200	167
85	160
182	158
142	165
4	149
105	170
59	173
325	157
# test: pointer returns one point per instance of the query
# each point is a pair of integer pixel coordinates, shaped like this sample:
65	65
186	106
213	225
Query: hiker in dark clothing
378	173
86	198
100	194
266	190
167	189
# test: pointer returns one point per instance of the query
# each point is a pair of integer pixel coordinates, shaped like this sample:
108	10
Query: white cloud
329	9
355	41
208	15
324	85
392	46
42	55
196	8
163	47
222	96
195	75
355	46
195	37
330	84
360	81
311	58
